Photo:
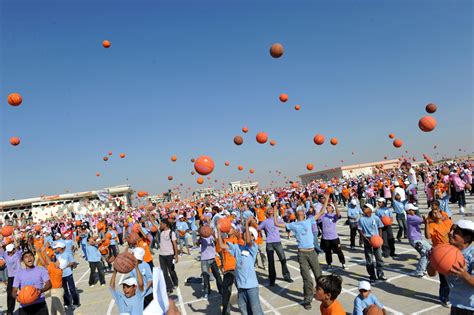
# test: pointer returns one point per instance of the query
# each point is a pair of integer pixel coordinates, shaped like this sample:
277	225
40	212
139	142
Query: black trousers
171	278
354	232
10	300
374	267
113	250
120	237
330	246
227	282
35	309
147	300
70	293
96	265
388	247
271	248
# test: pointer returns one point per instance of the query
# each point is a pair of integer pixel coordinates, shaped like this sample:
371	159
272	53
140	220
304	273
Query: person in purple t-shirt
330	239
208	261
35	276
273	244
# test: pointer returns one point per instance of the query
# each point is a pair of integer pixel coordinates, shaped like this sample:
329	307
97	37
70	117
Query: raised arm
248	238
219	238
139	278
275	218
427	228
112	280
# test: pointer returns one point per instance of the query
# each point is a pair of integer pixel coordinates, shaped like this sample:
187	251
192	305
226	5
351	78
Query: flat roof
77	195
351	167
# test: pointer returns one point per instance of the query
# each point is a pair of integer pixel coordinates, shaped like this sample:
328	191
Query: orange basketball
238	140
294	185
262	137
14	141
105	158
427	123
122	155
297	107
37	228
204	165
78	222
205	231
330	190
133	238
2	263
174	158
431	108
376	241
386	220
170	177
110	153
28	294
373	309
333	141
240	168
309	166
7	230
445	170
227	163
136	228
245	130
154	229
106	44
318	139
292	217
283	97
272	143
397	143
14	99
391	136
277	50
200	180
444	256
125	262
225	225
251	171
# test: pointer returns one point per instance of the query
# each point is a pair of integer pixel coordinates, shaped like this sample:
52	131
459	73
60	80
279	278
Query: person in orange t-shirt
228	268
55	295
148	258
327	290
260	214
437	229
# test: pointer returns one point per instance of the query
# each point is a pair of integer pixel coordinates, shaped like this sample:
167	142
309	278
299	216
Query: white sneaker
461	210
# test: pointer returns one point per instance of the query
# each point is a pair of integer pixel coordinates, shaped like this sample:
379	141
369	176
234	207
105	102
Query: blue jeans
422	247
249	302
83	246
70	291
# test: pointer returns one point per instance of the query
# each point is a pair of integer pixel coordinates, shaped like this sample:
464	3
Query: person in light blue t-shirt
131	300
66	262
370	225
245	275
365	299
147	275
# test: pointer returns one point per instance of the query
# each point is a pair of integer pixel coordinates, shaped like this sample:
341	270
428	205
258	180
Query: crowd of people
235	234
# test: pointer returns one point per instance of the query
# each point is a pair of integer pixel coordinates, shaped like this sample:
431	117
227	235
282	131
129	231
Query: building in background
79	204
350	171
245	187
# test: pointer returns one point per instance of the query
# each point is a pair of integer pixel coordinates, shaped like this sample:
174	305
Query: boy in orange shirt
437	229
56	276
327	290
228	268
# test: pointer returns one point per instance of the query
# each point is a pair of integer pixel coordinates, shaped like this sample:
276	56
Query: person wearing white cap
13	261
66	261
245	274
388	247
370	225
461	278
399	209
131	300
399	190
365	298
147	275
416	239
307	257
94	258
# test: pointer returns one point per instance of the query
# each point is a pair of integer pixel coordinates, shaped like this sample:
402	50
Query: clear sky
183	78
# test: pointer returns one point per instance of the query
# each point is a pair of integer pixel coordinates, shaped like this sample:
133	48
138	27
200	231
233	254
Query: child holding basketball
365	299
132	298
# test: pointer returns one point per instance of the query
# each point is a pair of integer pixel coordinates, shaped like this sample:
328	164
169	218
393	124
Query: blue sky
183	78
